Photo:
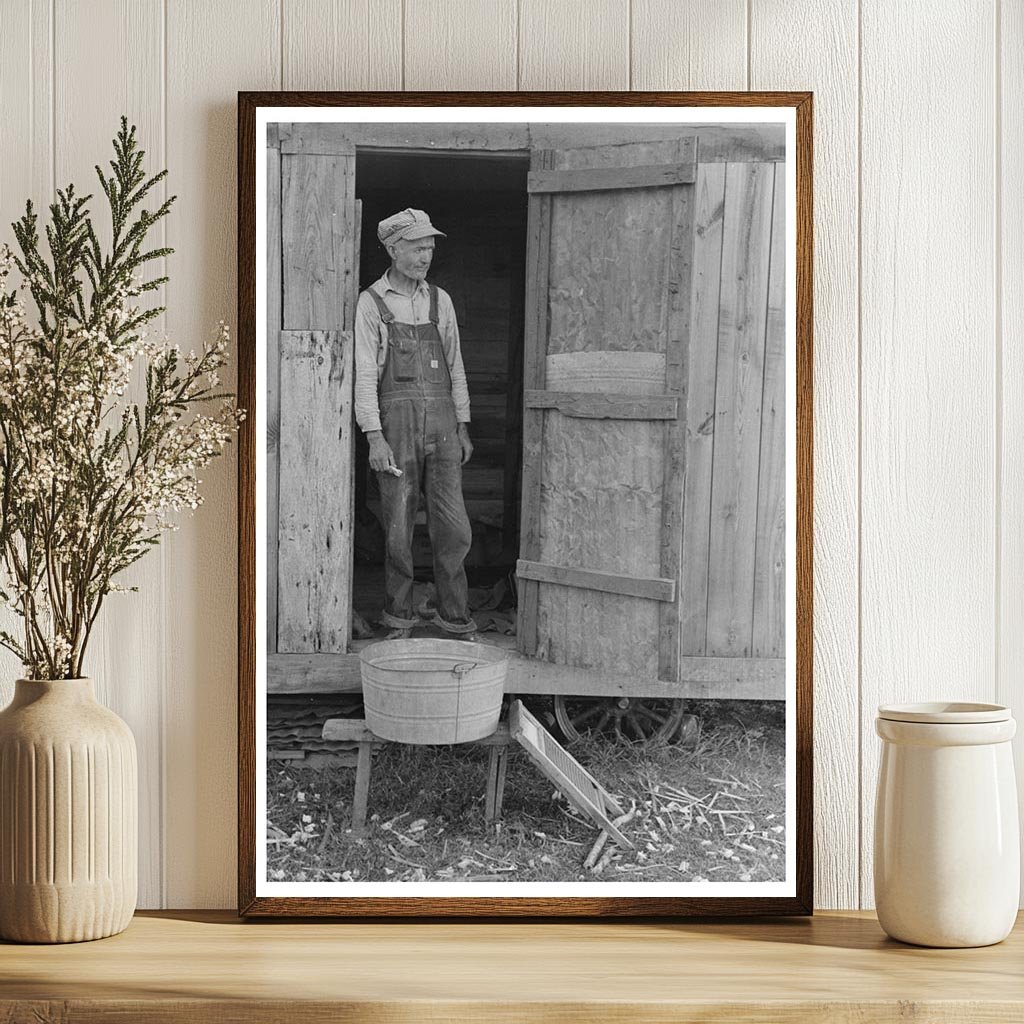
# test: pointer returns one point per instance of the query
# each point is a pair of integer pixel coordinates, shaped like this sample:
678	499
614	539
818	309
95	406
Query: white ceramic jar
947	847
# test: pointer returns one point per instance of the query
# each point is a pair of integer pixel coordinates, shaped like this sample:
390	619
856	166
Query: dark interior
480	202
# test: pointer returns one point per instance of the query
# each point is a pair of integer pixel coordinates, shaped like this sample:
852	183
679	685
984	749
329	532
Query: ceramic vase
947	847
68	815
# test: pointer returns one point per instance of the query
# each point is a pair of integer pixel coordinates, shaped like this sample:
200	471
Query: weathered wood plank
736	143
354	730
314	673
603	178
361	795
672	152
769	634
316	477
341	137
601	509
273	336
706	678
745	252
700	406
538	257
593	308
613	632
606	582
602	498
677	326
732	143
614	371
318	195
598	405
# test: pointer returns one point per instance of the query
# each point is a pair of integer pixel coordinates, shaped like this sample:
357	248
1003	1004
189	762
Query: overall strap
385	314
433	304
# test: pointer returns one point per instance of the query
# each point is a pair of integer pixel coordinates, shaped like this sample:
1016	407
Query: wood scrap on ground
592	862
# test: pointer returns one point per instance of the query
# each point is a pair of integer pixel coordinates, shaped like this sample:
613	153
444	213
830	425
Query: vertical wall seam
750	44
629	43
860	458
689	54
519	35
280	44
53	97
998	331
33	170
403	43
162	696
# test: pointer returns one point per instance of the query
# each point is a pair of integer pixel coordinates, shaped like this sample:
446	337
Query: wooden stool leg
492	782
362	793
499	782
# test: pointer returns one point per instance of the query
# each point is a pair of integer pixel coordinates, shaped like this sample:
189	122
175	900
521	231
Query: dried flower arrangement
89	478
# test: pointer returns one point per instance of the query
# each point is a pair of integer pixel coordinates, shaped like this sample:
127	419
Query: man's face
413	258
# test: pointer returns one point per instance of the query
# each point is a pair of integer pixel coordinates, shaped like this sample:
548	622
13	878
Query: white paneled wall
919	306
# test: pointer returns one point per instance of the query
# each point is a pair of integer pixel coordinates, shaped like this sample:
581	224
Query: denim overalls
417	416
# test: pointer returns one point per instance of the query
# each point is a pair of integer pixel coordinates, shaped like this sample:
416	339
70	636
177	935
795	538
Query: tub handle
463	667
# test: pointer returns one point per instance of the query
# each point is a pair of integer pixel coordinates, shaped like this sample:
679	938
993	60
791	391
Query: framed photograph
525	494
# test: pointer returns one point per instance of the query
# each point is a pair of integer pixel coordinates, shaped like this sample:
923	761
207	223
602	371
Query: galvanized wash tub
432	691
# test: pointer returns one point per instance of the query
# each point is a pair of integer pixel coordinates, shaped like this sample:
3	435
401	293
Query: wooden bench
354	730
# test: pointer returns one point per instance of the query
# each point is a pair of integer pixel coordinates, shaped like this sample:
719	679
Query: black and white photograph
525	480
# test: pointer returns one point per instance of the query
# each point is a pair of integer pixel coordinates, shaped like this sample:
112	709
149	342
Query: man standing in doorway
412	403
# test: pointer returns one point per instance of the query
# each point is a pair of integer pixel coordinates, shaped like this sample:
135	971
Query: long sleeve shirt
371	345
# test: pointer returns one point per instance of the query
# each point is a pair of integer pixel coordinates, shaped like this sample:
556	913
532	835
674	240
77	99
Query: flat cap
409	224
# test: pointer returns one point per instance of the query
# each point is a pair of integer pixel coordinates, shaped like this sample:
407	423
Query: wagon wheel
635	719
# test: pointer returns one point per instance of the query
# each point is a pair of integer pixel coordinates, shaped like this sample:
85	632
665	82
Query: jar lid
945	712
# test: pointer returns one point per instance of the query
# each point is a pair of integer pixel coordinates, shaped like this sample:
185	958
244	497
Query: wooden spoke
637	732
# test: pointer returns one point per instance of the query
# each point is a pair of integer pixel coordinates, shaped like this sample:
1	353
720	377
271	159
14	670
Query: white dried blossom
95	469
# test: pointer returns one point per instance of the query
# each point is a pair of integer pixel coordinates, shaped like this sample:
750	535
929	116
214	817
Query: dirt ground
713	810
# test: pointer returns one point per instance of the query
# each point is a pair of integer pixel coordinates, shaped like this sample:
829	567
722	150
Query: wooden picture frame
695	136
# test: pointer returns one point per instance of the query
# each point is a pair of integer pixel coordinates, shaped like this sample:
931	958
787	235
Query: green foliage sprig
88	477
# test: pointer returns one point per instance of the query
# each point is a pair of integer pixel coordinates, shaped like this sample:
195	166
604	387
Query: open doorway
480	202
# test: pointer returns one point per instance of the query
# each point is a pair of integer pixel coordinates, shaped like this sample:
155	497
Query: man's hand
467	445
382	458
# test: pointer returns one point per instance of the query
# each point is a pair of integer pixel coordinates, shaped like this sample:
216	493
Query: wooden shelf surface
203	967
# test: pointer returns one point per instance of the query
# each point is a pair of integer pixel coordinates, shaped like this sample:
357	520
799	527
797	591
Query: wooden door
319	246
609	266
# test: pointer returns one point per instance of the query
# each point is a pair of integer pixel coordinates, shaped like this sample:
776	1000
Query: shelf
204	967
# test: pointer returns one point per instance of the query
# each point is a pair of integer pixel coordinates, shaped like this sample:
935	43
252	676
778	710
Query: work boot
400	633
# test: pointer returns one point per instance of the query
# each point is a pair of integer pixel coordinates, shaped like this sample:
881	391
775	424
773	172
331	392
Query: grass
712	813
